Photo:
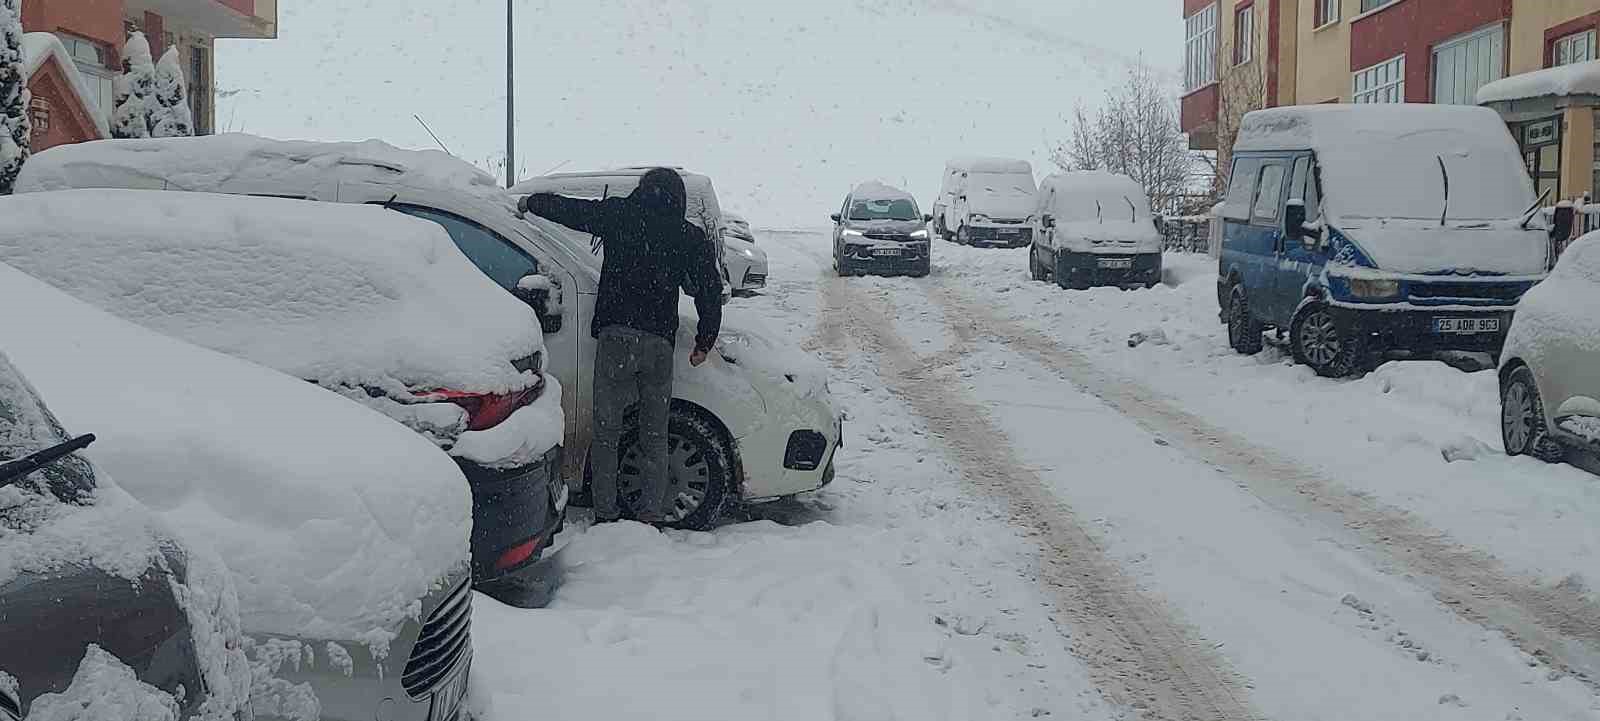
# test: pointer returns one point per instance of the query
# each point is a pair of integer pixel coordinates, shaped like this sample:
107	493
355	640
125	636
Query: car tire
1316	341
1036	268
699	463
1244	331
1522	425
963	236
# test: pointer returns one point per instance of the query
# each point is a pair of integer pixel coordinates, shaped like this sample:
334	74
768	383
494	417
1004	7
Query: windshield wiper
1446	212
1133	213
1097	217
13	471
1527	215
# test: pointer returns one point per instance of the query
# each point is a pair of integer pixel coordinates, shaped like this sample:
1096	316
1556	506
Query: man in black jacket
650	252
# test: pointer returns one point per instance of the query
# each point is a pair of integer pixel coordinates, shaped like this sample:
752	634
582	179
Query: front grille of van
446	637
1468	292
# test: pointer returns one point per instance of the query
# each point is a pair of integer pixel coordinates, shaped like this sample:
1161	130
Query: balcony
1197	116
217	18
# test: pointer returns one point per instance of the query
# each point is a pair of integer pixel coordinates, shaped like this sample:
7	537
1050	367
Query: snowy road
1033	518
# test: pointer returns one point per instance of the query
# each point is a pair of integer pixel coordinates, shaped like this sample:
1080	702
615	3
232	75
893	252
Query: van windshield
1000	185
1486	179
895	209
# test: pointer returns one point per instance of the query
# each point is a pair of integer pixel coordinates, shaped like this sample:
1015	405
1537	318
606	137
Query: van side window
1304	187
498	258
1241	188
1313	193
1269	192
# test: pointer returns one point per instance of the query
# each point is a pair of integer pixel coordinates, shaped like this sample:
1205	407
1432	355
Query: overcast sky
785	104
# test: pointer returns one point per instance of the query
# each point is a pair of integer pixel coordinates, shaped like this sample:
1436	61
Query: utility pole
511	102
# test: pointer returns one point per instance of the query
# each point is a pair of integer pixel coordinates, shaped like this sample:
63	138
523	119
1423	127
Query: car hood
1427	248
779	373
896	227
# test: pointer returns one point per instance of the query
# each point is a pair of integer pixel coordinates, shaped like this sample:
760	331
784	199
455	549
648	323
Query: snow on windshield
1001	185
874	209
340	294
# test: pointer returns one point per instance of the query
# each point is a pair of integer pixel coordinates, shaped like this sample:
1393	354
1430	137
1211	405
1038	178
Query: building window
1574	48
93	61
1244	34
1381	83
1327	12
1540	141
1200	49
1463	65
1373	4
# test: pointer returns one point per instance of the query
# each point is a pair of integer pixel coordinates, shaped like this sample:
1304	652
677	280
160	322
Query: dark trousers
631	367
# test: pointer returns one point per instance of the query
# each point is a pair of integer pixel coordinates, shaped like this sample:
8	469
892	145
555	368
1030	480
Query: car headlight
848	233
980	218
1374	289
919	235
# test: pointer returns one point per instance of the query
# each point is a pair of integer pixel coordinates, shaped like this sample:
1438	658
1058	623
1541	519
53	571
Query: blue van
1366	230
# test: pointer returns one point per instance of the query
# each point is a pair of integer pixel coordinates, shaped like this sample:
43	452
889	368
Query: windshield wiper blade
1446	174
13	471
1527	215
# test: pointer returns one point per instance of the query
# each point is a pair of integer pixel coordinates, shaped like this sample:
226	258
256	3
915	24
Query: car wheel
1315	339
963	236
699	472
1244	331
1035	268
1522	425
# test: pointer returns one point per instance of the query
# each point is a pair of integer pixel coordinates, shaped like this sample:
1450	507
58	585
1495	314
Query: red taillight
487	410
518	553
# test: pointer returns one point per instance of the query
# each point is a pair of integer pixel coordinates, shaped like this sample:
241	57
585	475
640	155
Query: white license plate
447	700
1119	263
1009	231
886	252
1466	325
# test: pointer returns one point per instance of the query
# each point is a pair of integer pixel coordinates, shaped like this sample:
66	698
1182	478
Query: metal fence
1187	234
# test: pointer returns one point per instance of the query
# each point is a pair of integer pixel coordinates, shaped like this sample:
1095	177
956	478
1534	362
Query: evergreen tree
170	116
134	90
15	128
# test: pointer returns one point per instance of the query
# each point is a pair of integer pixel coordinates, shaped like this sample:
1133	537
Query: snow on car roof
336	293
1562	81
332	519
1349	126
1100	204
980	164
874	190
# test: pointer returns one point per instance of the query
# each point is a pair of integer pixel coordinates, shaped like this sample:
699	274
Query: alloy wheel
1517	417
1319	339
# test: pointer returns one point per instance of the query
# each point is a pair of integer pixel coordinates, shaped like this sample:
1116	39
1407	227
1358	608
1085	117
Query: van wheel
1315	340
1244	331
1522	425
1035	268
963	236
699	472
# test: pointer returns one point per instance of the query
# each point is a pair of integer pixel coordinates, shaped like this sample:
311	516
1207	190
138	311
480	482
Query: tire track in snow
1557	625
1137	653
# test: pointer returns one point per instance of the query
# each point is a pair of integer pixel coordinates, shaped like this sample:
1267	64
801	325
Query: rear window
1269	189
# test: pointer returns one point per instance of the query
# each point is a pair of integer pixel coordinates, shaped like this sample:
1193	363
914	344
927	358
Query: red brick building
71	71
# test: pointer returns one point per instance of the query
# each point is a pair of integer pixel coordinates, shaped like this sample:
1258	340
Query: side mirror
1047	221
927	217
1294	224
1562	222
835	217
543	294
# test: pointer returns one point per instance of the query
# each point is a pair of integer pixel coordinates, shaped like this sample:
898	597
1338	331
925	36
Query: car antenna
13	471
1527	215
1133	213
435	137
1446	174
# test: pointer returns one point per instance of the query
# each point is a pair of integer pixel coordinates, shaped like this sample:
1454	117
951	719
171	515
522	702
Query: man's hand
696	357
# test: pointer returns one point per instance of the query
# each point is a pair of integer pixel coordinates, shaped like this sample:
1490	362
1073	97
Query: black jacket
650	252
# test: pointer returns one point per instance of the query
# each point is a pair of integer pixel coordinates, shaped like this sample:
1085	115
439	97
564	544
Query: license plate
1009	231
1466	325
447	700
1120	263
886	252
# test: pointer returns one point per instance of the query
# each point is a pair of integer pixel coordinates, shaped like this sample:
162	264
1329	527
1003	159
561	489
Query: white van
1094	228
759	415
986	201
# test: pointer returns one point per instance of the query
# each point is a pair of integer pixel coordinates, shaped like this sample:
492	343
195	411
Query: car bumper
515	513
913	257
1089	268
785	459
1413	328
1011	236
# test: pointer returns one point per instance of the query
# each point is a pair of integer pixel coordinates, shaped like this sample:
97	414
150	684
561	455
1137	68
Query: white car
376	306
345	533
1550	364
757	417
986	201
746	263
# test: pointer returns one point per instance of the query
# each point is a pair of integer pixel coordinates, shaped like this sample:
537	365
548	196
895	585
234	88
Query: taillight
487	410
518	553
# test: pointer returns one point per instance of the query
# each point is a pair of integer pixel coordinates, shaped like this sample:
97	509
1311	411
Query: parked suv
1366	229
1094	228
1550	372
83	564
986	201
758	417
880	230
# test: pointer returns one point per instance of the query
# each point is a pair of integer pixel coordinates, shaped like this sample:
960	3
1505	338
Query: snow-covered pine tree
170	116
134	90
15	128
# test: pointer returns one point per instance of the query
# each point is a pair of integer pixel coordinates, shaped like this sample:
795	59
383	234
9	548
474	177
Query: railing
1188	234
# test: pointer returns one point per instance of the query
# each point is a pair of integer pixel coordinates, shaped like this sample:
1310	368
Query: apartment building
71	103
1387	51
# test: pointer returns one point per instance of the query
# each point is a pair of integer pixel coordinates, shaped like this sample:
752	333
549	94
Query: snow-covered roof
1347	126
1100	204
332	519
338	293
36	48
874	190
980	164
1562	81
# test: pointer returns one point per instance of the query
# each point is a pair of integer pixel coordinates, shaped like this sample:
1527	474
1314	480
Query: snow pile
269	471
1562	81
1098	205
39	47
105	689
339	294
983	164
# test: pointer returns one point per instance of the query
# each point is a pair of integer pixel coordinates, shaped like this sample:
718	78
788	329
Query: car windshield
884	209
1000	185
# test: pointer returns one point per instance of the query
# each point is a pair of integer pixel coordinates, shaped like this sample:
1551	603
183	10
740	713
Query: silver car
1550	367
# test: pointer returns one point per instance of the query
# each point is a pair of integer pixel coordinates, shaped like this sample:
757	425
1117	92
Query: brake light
487	410
518	553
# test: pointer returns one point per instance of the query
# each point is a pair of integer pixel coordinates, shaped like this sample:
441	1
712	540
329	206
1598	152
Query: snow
39	47
1555	325
1423	247
271	489
521	439
1562	81
1098	206
105	689
172	118
876	190
339	294
980	164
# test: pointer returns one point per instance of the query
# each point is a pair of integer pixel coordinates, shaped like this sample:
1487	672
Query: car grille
896	237
445	640
1467	291
1008	221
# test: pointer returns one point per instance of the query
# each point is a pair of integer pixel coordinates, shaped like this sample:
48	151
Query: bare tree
1135	133
1243	89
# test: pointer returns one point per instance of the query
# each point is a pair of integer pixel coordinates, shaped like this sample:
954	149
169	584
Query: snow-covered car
97	595
1550	367
1094	228
345	534
880	230
756	421
1364	229
746	263
737	226
986	201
